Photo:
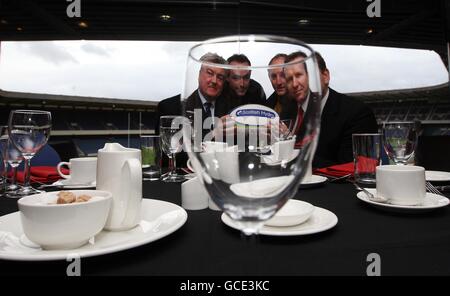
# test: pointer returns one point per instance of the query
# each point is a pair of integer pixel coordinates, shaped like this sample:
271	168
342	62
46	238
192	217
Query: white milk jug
119	172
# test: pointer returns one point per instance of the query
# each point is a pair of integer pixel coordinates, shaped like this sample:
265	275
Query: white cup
82	170
194	195
283	150
400	184
229	164
212	146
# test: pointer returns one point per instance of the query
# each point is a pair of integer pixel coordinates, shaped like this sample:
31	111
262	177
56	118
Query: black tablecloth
408	244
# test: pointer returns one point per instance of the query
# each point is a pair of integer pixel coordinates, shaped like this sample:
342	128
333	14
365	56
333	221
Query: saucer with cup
83	172
281	152
403	187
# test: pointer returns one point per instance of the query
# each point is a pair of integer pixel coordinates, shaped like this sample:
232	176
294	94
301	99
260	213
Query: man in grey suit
207	97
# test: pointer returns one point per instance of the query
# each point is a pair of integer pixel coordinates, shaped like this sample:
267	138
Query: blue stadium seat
46	157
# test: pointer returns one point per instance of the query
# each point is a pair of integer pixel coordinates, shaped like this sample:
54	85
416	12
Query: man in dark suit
241	89
207	99
278	100
341	116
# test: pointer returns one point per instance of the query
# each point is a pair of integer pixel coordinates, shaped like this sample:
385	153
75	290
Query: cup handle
132	191
189	165
58	168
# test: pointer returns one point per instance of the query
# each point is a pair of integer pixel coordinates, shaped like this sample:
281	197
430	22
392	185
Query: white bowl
63	226
294	212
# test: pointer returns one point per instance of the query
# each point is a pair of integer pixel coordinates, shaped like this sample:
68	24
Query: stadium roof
403	23
438	93
19	99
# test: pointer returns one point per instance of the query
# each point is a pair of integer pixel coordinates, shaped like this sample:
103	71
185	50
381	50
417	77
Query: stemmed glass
4	163
286	129
13	157
237	179
170	132
399	140
29	131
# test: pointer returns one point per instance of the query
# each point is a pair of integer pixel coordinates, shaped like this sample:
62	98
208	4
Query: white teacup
223	163
229	164
212	146
82	170
283	150
194	195
401	184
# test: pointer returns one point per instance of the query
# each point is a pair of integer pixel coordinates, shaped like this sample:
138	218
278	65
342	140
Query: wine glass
170	132
29	131
238	180
13	158
286	129
399	140
4	163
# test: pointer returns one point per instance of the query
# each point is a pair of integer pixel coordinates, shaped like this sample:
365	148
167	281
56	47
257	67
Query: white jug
119	172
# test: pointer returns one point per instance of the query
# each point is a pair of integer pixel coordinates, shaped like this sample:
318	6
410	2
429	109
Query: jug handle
132	180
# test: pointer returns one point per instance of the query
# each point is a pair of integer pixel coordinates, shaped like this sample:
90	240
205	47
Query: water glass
151	156
29	131
400	139
240	181
171	143
366	156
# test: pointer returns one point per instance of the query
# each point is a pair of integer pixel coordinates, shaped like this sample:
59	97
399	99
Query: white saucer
320	220
432	201
437	176
315	180
159	219
66	183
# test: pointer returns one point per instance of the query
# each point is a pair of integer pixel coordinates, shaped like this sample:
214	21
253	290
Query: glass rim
367	134
31	111
171	116
398	122
252	38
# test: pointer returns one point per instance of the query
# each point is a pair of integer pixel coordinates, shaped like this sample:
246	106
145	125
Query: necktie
298	124
208	113
299	120
207	107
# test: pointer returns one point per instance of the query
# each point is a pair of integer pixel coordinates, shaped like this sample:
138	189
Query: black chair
66	149
432	152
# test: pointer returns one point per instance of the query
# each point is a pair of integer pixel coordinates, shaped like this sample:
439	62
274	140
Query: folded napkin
365	164
338	170
42	174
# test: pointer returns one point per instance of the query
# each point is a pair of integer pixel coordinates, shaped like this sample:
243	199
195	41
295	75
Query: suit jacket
281	104
341	117
172	106
221	107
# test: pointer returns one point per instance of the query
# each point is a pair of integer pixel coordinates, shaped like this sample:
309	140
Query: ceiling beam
410	21
47	17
